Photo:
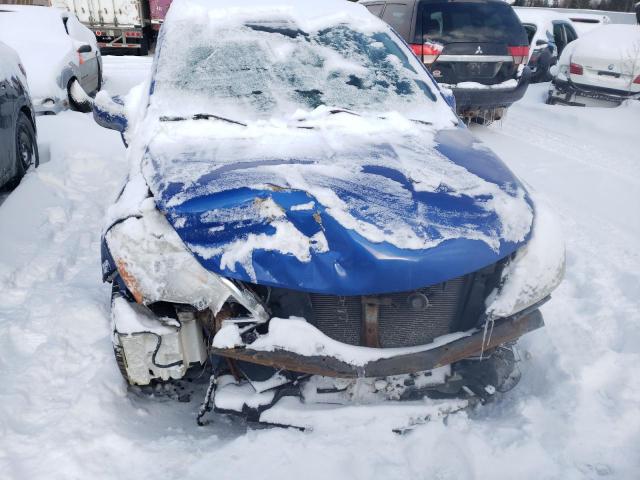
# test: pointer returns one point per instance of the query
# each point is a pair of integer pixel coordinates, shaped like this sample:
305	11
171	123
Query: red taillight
427	52
575	69
637	80
519	54
133	34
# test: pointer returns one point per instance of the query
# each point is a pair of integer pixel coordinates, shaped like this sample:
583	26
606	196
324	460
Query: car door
88	63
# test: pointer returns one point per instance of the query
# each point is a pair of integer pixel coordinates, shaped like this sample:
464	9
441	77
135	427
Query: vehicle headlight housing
155	265
536	270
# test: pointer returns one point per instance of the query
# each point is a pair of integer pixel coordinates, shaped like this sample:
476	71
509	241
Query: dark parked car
18	147
549	33
476	47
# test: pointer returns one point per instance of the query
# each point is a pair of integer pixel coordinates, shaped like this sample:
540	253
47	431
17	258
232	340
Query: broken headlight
535	271
155	265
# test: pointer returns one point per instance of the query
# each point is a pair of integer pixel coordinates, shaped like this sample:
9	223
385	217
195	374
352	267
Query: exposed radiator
404	319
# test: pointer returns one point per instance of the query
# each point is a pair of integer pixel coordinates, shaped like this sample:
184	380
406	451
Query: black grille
399	325
454	305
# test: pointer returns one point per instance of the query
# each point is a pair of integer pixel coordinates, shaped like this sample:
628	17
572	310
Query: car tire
26	146
83	107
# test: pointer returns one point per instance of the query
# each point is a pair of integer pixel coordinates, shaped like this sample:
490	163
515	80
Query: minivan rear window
450	22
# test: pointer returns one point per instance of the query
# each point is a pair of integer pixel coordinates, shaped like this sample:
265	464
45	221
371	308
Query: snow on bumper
295	345
471	95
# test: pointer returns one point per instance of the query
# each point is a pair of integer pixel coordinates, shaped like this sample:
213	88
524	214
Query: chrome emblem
611	67
479	50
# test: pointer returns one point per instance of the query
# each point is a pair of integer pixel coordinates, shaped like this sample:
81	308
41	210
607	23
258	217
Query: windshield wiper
202	116
335	111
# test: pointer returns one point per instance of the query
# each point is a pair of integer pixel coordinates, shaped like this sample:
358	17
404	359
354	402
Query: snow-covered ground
66	414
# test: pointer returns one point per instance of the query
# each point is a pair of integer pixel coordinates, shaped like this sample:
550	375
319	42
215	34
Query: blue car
305	213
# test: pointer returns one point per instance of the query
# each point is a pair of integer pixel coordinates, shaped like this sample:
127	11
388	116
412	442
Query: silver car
56	50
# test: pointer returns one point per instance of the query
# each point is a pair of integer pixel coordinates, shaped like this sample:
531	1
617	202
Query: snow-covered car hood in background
392	205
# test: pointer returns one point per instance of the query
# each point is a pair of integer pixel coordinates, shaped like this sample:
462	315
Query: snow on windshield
270	69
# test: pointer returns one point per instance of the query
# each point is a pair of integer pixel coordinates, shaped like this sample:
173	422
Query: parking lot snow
65	412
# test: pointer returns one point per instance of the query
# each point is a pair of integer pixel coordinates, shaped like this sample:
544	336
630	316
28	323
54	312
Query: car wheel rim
25	148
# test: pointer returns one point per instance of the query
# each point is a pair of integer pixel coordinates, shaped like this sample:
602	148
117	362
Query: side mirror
541	42
86	48
109	112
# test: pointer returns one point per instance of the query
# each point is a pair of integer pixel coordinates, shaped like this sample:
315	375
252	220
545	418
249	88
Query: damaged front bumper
394	361
170	314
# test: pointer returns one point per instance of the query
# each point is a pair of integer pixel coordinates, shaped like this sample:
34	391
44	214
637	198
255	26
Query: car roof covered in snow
538	16
303	12
43	12
610	39
617	42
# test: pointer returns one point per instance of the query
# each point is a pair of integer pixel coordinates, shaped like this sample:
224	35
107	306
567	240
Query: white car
549	33
56	50
600	69
586	22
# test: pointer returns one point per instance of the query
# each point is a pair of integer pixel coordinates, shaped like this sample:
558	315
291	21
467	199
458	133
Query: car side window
531	31
79	32
558	35
570	32
398	15
375	8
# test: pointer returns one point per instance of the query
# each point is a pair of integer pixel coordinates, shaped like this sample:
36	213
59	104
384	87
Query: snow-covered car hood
392	205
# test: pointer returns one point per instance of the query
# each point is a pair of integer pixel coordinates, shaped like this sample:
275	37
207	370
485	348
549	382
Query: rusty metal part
370	315
370	336
505	330
129	281
225	313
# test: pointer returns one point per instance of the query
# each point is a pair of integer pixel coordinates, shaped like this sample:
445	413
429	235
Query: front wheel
26	146
79	101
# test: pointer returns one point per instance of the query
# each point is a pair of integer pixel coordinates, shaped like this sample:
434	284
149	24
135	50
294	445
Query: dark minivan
478	48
